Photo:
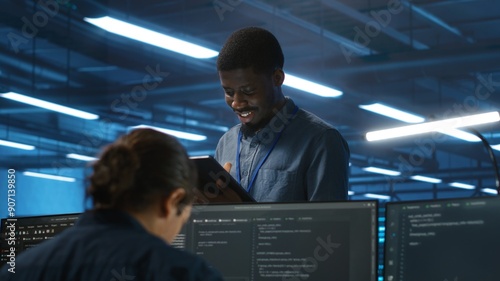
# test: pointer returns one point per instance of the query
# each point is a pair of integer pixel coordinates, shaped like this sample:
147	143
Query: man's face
255	98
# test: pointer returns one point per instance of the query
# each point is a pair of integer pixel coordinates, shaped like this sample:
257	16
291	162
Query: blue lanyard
254	174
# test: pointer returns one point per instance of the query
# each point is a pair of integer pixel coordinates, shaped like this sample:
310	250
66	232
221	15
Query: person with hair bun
142	190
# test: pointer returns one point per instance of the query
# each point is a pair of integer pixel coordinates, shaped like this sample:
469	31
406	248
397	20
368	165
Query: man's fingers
227	166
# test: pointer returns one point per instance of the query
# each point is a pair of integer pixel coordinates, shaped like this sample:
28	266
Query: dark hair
251	47
140	168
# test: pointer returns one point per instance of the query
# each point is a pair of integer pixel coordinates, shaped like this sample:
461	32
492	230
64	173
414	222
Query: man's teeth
245	114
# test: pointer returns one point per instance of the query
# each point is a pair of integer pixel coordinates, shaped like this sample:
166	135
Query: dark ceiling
437	59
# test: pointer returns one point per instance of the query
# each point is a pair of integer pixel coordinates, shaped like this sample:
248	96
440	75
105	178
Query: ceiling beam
364	19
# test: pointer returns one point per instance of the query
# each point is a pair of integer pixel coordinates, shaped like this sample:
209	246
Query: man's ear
278	77
170	204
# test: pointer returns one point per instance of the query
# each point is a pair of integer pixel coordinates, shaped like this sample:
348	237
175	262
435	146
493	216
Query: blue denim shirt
309	162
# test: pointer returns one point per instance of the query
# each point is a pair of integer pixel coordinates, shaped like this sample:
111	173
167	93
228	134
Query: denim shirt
309	161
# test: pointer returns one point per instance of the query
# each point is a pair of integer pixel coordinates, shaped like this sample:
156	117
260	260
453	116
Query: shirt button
245	173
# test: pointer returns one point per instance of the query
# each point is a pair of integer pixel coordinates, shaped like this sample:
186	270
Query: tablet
216	185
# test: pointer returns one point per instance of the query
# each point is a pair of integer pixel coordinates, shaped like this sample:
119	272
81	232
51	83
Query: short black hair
251	47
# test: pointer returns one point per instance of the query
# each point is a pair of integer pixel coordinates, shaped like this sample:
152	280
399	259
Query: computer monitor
26	232
314	241
443	240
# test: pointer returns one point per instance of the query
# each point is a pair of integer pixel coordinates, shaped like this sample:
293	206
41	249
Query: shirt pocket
279	185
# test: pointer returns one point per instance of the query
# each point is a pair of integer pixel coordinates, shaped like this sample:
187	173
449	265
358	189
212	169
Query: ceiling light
459	135
48	105
490	191
80	157
152	37
411	118
205	125
462	185
179	134
310	87
425	179
393	113
201	152
434	126
381	171
47	176
496	147
377	196
16	145
350	193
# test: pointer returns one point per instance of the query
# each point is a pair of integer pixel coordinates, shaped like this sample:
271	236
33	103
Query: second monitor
445	240
313	241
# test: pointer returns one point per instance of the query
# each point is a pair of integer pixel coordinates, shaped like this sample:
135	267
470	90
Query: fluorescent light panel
152	37
178	134
412	118
80	157
16	145
47	176
393	113
381	171
310	87
377	196
489	190
460	135
434	126
425	179
48	105
462	185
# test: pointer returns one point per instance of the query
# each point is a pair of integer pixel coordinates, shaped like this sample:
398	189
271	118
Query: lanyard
259	165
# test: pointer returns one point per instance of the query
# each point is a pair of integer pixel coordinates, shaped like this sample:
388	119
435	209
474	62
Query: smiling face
254	97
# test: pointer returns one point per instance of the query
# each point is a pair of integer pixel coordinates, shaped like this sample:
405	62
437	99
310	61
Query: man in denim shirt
279	152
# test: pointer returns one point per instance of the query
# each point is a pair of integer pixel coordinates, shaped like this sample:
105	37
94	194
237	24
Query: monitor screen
26	232
443	240
313	241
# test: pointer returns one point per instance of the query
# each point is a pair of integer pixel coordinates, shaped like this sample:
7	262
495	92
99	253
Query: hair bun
114	173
